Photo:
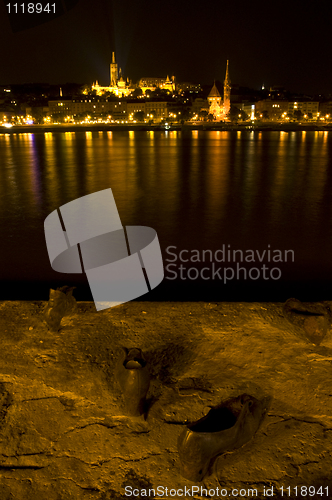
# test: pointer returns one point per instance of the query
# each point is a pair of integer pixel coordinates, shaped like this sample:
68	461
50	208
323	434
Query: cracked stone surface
64	434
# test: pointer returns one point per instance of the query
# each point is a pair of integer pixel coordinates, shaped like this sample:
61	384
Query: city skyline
284	45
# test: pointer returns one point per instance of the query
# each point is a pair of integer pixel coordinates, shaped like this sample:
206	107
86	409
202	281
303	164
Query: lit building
117	86
94	107
200	105
325	109
188	86
272	109
123	88
214	100
154	83
306	108
220	108
156	110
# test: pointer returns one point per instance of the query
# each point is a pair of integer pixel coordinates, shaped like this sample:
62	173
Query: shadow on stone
168	362
6	400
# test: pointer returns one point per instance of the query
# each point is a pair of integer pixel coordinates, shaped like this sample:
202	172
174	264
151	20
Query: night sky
276	43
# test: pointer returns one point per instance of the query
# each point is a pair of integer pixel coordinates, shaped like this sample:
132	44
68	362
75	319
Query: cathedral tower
113	71
227	92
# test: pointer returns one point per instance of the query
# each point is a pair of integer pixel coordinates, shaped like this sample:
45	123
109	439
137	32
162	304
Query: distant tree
139	116
137	92
234	113
242	116
185	113
297	114
153	115
82	116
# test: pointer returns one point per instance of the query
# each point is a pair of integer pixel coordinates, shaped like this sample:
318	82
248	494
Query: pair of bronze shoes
226	427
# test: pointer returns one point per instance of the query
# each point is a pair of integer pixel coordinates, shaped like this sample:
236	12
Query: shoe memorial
313	319
134	379
226	427
61	303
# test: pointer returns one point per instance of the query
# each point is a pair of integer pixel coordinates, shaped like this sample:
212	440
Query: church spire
113	71
227	93
227	79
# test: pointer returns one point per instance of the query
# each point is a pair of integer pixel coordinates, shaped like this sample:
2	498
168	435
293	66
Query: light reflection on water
199	190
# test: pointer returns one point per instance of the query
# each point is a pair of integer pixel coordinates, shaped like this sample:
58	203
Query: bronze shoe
312	318
134	379
61	303
226	427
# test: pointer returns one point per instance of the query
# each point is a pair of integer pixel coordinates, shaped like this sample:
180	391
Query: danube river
239	215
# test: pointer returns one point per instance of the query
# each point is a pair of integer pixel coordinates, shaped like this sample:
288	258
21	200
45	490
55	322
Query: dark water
200	191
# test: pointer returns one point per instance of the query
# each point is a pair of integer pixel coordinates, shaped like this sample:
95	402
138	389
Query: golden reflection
70	174
90	163
307	180
51	171
8	184
217	171
281	186
69	136
34	174
317	165
250	170
261	174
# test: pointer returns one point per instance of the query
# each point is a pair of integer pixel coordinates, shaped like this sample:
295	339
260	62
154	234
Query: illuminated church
123	88
220	108
117	86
